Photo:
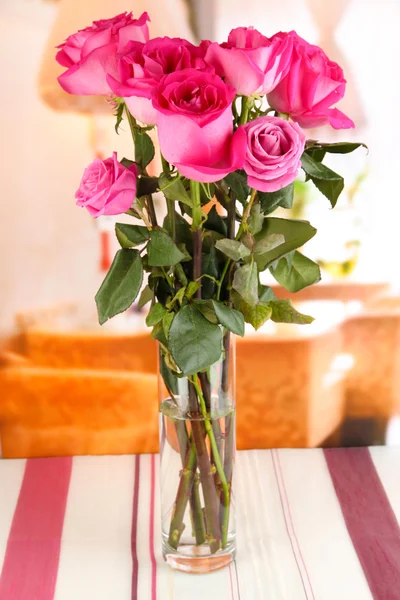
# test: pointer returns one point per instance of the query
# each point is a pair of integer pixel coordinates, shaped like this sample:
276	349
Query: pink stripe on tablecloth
135	562
33	549
369	518
292	524
237	578
151	533
287	525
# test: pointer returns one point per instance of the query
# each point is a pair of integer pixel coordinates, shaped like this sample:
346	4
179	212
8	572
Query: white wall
48	246
368	36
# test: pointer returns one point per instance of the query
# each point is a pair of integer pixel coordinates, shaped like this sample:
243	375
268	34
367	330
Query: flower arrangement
230	121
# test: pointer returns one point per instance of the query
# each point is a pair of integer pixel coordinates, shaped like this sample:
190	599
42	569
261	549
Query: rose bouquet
230	122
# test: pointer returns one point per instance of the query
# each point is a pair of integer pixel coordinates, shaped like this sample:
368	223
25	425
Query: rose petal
236	67
232	162
142	109
89	77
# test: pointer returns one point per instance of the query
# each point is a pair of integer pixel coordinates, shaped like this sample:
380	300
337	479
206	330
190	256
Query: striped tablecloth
312	524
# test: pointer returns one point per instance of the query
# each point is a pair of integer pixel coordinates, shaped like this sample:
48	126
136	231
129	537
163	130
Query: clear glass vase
197	451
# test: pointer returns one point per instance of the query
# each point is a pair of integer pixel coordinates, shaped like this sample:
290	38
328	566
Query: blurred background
68	386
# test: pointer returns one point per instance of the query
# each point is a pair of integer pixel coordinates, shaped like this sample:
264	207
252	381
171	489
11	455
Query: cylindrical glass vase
197	451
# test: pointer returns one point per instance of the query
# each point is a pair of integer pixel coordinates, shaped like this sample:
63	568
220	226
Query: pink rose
274	149
90	54
251	62
141	67
195	126
107	187
311	86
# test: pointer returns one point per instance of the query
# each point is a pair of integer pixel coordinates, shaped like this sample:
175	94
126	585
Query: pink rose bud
251	62
313	84
274	149
107	187
195	127
142	66
90	54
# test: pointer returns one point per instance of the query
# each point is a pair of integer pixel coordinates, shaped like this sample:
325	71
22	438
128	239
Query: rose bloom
313	84
90	53
195	127
274	149
251	62
141	67
107	187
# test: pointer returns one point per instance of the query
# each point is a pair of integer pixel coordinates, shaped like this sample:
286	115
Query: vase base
197	559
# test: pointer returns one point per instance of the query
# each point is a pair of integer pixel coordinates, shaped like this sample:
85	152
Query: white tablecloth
312	525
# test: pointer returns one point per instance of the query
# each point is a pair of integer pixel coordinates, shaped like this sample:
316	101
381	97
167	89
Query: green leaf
131	235
329	183
303	272
126	162
207	309
162	251
265	293
233	249
156	314
317	154
177	298
145	296
120	286
158	334
270	201
284	312
215	222
118	114
338	147
295	233
144	148
166	322
183	235
245	282
209	266
256	219
192	289
237	181
265	245
255	315
173	189
195	343
146	185
229	317
186	256
170	380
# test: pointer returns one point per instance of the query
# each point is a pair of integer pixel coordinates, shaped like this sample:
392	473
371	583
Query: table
312	525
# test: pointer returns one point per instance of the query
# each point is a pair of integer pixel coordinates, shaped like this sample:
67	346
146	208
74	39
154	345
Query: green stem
217	459
246	214
171	218
221	281
184	491
149	199
245	110
195	501
211	511
132	123
197	512
231	235
196	211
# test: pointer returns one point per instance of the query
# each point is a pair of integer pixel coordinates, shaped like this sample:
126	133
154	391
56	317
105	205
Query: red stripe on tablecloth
151	533
369	518
287	525
33	548
135	562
